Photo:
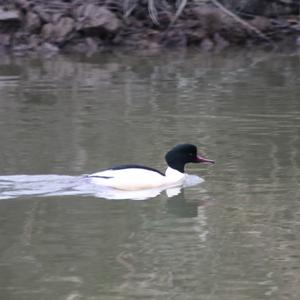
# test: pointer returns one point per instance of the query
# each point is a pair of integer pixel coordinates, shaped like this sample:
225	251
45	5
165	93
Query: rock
220	42
48	49
10	21
91	44
296	25
175	38
87	10
77	46
34	41
93	18
21	49
298	41
47	31
210	18
59	32
261	23
78	12
207	44
32	21
195	36
56	17
10	15
45	17
23	4
5	39
63	28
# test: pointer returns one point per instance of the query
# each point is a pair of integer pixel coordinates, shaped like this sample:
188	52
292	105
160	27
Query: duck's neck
176	165
174	174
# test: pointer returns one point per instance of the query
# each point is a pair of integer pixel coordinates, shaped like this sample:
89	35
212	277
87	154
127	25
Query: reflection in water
167	257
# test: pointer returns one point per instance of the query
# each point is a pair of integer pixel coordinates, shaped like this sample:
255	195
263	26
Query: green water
235	236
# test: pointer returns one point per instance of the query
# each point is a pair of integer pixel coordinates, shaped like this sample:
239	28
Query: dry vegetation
95	25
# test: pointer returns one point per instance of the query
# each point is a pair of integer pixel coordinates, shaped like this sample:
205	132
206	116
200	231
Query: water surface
234	236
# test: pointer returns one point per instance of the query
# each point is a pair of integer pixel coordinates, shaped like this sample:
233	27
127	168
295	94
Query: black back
133	166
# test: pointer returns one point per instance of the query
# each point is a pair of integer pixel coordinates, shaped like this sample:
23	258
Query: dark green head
182	154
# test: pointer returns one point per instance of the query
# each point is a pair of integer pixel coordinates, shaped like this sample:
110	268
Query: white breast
136	178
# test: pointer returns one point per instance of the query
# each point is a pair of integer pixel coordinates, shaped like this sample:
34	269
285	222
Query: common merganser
137	177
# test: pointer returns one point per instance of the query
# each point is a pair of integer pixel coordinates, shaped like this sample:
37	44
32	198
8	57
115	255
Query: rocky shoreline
92	26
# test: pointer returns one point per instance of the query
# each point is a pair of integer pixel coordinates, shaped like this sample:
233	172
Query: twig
128	7
180	8
152	11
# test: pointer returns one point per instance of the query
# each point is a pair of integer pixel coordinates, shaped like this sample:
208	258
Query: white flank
137	179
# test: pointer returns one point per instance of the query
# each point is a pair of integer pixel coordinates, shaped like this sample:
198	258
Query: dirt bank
90	25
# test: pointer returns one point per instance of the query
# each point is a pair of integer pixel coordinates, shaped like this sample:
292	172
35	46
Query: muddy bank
90	26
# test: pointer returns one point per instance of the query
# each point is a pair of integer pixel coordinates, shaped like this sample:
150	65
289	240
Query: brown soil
90	25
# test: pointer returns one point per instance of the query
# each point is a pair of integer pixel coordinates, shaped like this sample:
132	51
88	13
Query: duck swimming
137	177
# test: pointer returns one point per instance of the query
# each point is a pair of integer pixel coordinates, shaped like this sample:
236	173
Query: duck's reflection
180	207
165	245
114	194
